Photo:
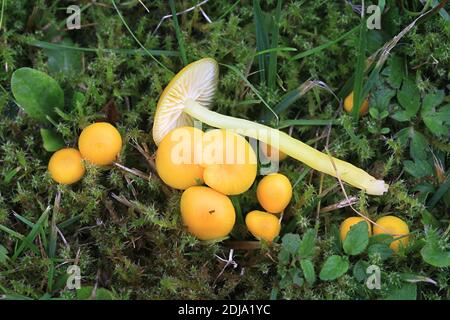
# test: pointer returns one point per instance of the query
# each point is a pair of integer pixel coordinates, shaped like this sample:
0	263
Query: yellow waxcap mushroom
208	214
100	143
395	227
348	105
189	95
175	158
229	162
274	192
197	81
348	223
263	225
66	166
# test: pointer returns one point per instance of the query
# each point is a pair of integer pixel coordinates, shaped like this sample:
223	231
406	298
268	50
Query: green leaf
374	113
434	119
407	292
435	124
435	256
385	130
381	238
296	277
64	61
334	267
283	256
52	140
291	243
409	97
383	250
401	116
87	293
431	101
37	93
306	249
359	270
419	168
419	148
397	71
357	239
308	271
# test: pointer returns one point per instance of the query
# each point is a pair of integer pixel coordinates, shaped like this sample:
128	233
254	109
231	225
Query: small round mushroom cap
197	81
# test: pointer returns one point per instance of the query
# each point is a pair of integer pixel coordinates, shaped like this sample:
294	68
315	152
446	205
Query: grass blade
325	45
178	33
359	70
262	39
231	8
307	122
1	13
28	240
69	222
272	70
275	49
12	233
56	46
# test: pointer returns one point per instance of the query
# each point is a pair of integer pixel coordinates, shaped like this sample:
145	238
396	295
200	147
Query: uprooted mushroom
189	95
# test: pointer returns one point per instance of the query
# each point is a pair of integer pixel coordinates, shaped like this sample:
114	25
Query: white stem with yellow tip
293	147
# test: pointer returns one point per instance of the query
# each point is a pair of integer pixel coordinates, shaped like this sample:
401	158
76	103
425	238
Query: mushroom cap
263	225
175	158
66	166
197	81
394	226
208	214
274	192
229	161
100	143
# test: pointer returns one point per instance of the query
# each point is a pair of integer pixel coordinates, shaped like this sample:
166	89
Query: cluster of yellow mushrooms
226	163
210	166
99	144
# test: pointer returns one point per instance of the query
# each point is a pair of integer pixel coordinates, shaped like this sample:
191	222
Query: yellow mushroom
66	166
175	158
100	143
208	214
229	162
263	225
274	192
189	95
395	227
348	105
